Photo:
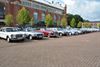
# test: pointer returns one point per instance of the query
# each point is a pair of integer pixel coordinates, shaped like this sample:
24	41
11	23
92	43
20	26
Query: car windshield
10	30
30	29
16	29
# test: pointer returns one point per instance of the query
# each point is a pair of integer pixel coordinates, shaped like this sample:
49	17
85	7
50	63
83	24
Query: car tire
30	37
70	34
8	39
60	34
49	35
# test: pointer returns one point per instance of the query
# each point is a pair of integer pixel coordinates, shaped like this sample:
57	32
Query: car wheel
30	37
48	35
60	34
70	34
8	39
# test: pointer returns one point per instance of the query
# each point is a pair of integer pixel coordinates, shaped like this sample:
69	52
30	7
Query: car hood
49	31
37	32
14	33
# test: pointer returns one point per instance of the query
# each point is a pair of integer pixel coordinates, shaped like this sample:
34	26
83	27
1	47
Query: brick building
38	10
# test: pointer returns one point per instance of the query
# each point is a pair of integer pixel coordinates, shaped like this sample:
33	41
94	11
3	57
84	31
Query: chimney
65	9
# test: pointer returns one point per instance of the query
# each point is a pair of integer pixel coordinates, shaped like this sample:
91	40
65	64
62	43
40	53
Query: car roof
6	27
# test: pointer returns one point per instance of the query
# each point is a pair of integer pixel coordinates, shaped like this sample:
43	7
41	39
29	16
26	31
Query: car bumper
21	38
54	34
38	36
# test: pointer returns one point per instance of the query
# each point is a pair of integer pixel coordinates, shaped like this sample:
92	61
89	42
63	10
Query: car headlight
25	35
13	36
35	34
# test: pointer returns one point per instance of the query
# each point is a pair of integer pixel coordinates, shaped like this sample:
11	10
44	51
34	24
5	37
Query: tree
23	16
48	20
73	24
79	25
8	20
78	19
87	25
31	21
69	18
58	23
64	21
98	25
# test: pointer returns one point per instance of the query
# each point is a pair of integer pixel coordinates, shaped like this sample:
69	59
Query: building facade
37	10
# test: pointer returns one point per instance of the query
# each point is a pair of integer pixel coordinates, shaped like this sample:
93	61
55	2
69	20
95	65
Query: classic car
58	30
31	33
48	33
10	34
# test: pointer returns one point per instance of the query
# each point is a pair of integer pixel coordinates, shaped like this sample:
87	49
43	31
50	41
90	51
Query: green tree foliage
78	19
98	25
79	25
23	16
64	21
8	20
69	18
31	21
58	23
87	25
73	24
48	20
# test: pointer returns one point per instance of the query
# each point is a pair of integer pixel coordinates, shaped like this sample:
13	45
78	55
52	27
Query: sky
88	9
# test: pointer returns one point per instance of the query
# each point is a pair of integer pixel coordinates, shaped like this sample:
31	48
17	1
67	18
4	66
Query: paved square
74	51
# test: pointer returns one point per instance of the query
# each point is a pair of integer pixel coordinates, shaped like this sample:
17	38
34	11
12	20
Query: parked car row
16	33
89	30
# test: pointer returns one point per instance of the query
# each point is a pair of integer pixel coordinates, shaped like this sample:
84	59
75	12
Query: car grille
39	34
55	32
19	35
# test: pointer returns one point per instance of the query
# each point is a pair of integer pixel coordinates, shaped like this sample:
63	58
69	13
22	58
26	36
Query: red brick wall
13	9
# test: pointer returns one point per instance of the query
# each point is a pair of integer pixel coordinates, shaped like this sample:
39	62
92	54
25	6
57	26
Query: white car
10	34
68	31
58	30
31	33
84	30
75	31
78	30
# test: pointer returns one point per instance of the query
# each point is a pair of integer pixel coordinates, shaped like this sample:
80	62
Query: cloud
87	9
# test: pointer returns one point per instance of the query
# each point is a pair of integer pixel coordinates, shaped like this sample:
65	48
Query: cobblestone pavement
74	51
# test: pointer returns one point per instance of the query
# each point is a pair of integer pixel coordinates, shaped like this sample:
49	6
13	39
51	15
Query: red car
48	33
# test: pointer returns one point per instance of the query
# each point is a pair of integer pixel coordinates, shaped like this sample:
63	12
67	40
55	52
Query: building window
43	16
1	13
35	15
26	3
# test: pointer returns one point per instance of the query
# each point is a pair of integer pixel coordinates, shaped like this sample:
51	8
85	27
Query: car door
1	33
4	33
